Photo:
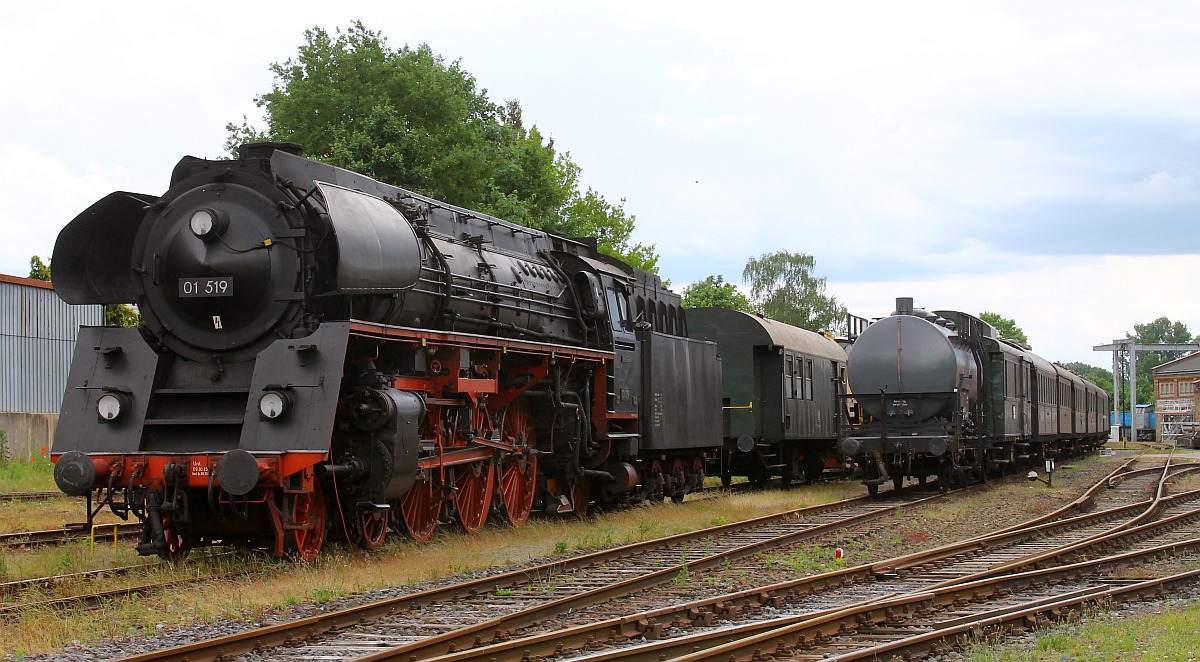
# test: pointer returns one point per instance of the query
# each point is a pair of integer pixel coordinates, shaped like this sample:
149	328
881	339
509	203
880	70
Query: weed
505	591
324	594
683	577
718	521
561	547
805	560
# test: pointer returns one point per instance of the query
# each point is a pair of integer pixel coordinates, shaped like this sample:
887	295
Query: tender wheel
518	482
872	489
678	485
421	507
657	483
474	485
309	510
370	528
897	482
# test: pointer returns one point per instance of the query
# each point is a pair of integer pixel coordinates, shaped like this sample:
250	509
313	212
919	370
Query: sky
1034	159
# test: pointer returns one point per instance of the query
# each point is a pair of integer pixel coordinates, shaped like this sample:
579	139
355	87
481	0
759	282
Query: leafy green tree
1008	328
783	287
1159	331
38	270
406	117
715	292
1099	376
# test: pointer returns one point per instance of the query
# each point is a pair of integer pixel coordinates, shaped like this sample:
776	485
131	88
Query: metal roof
766	332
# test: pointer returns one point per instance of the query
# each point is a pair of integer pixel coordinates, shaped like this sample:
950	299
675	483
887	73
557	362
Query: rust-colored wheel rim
580	497
177	547
678	481
422	505
518	480
309	510
474	485
371	528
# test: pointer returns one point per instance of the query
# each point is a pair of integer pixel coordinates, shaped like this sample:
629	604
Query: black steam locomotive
945	395
318	346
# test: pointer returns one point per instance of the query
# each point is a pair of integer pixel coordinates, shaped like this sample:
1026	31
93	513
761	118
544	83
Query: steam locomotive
944	394
317	345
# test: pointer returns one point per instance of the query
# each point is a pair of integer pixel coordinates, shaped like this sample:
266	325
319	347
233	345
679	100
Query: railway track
914	612
30	496
69	533
377	638
456	615
369	633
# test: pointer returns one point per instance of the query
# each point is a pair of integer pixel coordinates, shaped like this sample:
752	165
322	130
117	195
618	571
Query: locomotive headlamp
274	404
111	406
206	223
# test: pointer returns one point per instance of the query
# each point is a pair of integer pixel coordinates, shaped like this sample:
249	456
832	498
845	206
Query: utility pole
1128	345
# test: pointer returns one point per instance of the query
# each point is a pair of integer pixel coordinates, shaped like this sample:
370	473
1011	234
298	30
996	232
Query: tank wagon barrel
945	395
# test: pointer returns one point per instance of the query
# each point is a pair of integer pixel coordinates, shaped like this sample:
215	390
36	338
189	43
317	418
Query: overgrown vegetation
1164	634
20	474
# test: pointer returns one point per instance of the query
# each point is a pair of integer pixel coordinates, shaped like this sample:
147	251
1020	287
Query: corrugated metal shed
37	340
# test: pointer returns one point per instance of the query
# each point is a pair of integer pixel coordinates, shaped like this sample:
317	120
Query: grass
1166	634
284	587
21	474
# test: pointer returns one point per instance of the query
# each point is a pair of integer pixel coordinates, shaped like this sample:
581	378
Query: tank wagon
943	394
324	352
780	395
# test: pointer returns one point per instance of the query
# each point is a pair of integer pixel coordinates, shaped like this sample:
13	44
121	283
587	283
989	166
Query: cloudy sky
1035	159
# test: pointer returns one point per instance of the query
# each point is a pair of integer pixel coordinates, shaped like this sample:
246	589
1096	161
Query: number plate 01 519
206	287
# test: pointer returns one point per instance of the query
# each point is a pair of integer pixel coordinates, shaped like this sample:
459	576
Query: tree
1160	331
406	117
715	292
783	287
38	270
1008	328
1099	376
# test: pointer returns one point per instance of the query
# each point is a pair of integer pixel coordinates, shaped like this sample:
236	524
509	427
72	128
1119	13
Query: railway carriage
780	395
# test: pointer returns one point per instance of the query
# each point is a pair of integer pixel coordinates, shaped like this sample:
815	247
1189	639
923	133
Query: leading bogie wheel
370	528
307	510
177	547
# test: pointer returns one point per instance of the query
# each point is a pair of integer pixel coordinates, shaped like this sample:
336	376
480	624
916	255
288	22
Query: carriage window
789	380
808	380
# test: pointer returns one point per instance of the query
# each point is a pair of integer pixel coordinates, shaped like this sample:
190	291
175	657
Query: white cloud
692	74
1065	306
41	194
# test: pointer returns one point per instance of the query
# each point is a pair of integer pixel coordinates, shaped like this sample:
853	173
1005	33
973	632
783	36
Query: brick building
1176	396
